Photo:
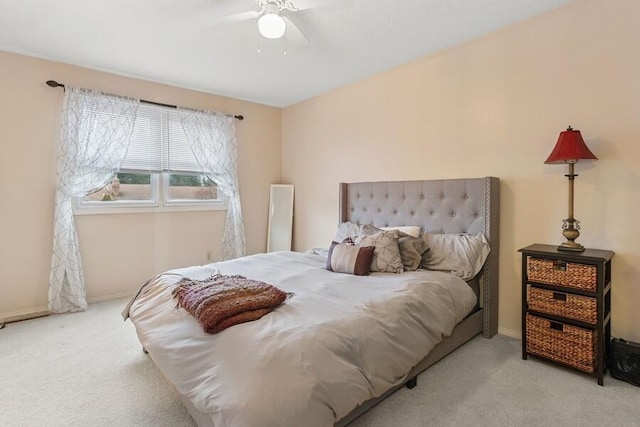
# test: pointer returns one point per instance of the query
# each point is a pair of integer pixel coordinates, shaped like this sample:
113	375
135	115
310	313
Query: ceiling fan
273	17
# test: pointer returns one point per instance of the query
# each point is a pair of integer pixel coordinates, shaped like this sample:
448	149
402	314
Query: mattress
338	341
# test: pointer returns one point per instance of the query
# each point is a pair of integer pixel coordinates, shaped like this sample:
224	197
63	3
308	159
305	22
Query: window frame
160	200
168	202
158	203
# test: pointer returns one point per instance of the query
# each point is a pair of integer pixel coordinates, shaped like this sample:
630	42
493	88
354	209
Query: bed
334	348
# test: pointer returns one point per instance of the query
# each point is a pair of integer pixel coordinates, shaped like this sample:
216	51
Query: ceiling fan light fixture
271	25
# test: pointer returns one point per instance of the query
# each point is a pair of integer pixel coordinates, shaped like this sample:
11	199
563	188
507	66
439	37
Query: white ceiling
177	41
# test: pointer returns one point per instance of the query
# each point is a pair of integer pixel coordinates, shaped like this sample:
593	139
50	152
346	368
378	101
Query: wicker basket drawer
568	305
555	272
563	343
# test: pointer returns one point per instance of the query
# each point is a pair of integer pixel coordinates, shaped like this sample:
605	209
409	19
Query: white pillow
461	254
410	230
352	230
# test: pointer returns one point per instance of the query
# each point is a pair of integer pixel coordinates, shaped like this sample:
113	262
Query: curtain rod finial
53	83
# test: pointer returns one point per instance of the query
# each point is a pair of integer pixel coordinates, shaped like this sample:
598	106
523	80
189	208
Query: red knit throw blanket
223	301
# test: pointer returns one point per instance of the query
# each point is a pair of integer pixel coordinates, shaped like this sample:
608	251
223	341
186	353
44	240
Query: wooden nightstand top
587	255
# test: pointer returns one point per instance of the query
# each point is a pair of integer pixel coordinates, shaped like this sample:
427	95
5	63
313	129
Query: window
158	173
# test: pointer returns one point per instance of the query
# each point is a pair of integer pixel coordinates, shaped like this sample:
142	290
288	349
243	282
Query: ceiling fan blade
229	7
294	34
313	4
234	18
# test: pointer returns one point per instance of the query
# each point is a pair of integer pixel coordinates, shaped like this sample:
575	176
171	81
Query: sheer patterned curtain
94	138
212	138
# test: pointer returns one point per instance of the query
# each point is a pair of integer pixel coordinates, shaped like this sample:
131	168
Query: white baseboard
110	297
32	313
510	332
18	315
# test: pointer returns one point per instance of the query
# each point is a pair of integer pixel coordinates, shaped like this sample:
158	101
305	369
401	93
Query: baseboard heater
43	312
21	317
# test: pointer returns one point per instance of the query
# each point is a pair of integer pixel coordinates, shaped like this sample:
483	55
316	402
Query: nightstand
566	307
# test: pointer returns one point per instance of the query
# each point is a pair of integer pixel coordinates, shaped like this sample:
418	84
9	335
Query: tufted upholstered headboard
438	206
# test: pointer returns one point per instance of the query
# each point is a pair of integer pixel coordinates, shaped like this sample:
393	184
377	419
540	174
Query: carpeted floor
87	369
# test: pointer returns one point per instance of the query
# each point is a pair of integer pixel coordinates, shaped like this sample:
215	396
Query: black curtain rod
53	83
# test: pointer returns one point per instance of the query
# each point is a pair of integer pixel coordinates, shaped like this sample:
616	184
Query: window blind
159	143
177	154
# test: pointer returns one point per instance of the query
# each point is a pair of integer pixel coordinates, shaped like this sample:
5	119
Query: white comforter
337	342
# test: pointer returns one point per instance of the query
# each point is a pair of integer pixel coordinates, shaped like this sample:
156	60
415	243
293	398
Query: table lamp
569	149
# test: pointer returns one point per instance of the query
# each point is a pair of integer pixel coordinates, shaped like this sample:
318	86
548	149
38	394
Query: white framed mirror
280	218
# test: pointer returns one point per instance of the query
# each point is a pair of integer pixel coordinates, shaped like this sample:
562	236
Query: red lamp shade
570	148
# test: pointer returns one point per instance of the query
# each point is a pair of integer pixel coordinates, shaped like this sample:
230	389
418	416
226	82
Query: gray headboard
438	206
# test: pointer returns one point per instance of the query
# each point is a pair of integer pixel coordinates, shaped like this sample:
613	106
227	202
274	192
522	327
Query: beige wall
119	251
495	106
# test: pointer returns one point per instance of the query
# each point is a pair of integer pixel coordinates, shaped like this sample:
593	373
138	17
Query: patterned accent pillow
386	257
349	258
411	251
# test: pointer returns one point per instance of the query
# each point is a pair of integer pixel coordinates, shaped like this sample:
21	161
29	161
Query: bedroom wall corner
494	106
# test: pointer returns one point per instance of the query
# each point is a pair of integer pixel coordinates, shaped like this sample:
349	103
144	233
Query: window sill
115	210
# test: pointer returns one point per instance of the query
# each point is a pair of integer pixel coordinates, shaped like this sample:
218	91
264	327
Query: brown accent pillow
349	258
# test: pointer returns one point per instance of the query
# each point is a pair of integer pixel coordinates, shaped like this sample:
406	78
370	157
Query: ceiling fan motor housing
275	6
